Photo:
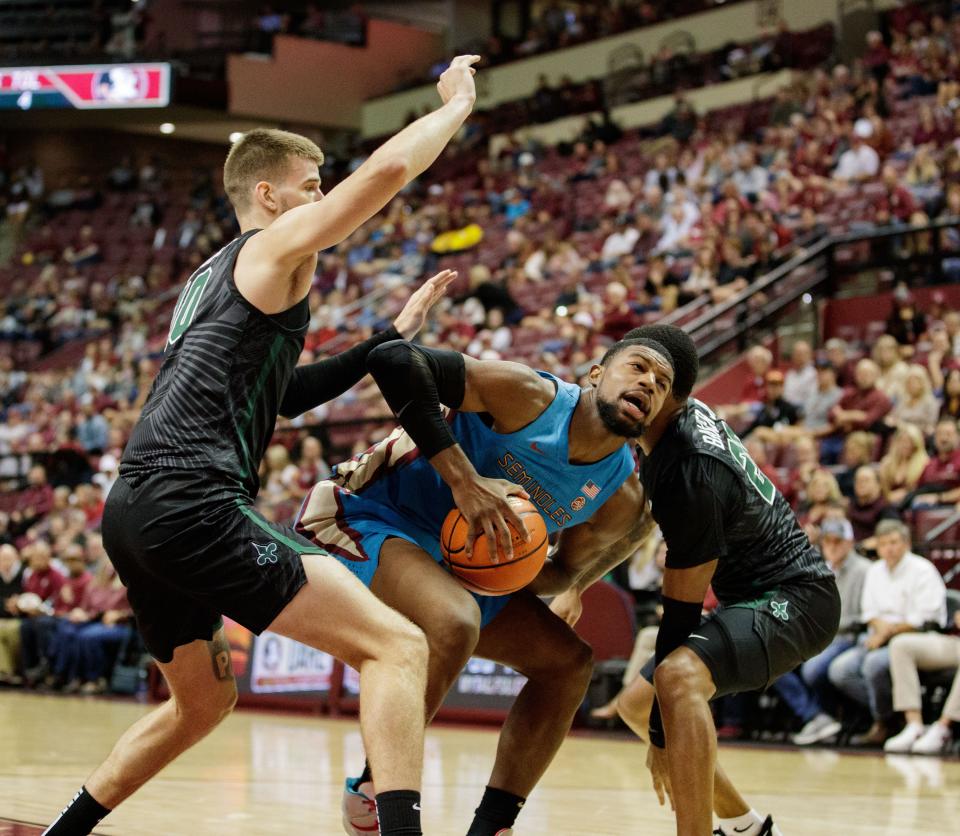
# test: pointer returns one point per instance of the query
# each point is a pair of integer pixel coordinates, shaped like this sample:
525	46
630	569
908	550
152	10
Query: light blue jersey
393	491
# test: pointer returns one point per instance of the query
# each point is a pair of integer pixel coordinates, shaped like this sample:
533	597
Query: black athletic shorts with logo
748	645
189	552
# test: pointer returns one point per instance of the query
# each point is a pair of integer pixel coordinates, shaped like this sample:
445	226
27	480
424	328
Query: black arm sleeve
414	381
325	380
680	619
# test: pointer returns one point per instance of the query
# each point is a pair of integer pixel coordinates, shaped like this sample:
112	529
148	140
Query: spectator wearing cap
902	593
800	380
775	411
859	161
939	484
808	691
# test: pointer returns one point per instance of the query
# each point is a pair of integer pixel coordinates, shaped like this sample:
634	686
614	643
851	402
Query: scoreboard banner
85	87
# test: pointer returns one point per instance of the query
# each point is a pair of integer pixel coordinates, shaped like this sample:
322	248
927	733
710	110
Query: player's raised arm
415	381
274	254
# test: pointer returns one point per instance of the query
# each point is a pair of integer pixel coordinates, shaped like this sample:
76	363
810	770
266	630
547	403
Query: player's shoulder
698	430
920	565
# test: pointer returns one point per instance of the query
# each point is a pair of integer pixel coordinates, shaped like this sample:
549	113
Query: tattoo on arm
614	554
220	656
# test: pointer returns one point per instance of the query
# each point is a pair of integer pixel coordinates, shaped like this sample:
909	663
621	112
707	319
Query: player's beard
614	421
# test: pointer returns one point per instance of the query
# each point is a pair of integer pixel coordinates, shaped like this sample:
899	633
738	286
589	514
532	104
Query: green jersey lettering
755	476
187	305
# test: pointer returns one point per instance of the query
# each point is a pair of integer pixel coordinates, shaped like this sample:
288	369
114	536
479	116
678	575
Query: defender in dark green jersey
724	524
180	526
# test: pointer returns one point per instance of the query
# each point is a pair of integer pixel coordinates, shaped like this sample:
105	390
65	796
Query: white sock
746	825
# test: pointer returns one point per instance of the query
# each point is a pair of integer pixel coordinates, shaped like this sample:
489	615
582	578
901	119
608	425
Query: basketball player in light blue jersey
507	430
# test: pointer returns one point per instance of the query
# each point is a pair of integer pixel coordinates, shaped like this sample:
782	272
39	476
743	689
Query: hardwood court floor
282	774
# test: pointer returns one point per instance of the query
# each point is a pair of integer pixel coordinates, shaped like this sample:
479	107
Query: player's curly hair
261	154
686	362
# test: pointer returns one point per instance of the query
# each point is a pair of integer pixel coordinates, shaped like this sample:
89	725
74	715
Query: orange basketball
480	574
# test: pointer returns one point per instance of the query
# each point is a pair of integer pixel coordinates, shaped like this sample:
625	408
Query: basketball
478	572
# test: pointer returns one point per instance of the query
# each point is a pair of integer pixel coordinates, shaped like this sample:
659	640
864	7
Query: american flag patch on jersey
591	489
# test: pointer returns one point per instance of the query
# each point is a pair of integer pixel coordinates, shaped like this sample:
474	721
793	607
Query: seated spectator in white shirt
677	226
750	179
619	242
859	161
800	380
902	593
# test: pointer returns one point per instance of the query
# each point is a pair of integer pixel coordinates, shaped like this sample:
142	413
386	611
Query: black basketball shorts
190	552
748	645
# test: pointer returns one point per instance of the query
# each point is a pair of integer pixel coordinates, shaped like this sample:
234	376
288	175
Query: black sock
399	813
79	817
366	775
498	810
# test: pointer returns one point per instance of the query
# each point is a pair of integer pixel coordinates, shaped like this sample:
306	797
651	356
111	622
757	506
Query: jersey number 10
187	304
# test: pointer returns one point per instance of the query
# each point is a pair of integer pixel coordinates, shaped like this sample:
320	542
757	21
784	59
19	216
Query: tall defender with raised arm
179	524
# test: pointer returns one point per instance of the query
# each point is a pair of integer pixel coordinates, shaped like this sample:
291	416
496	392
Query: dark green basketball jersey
712	502
213	406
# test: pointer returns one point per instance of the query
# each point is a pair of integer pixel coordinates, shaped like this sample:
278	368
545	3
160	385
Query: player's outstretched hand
657	764
457	79
414	314
485	505
568	605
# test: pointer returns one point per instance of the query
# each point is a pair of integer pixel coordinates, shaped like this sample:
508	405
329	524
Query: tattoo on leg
220	656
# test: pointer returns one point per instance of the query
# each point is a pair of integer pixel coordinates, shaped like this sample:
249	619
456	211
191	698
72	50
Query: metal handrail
824	247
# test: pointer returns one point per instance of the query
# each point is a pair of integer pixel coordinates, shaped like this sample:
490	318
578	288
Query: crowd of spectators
560	250
559	24
864	442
